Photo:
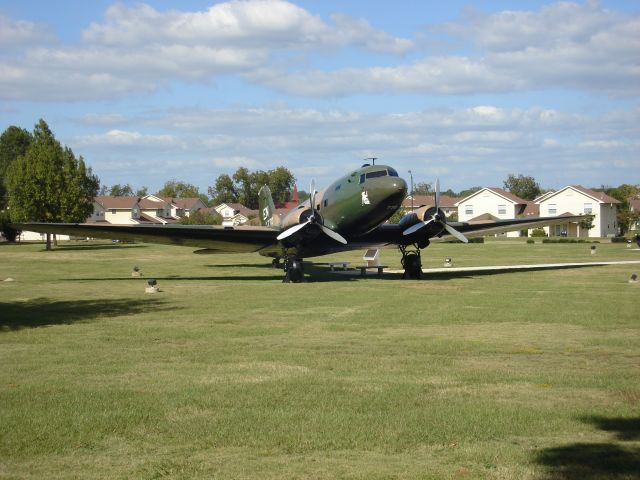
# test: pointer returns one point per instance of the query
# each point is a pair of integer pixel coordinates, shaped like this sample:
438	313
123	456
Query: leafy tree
524	187
201	217
469	191
14	143
243	186
117	190
224	191
177	189
49	184
281	182
141	192
422	188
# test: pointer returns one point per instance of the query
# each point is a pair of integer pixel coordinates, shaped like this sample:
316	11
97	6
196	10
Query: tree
422	188
522	186
244	185
224	191
142	191
117	190
469	191
14	143
177	189
49	184
200	217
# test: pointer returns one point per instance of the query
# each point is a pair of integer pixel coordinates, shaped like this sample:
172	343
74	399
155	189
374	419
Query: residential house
493	203
576	200
183	207
118	210
234	213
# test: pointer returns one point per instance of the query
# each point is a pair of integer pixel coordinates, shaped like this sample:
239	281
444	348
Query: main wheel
412	266
296	272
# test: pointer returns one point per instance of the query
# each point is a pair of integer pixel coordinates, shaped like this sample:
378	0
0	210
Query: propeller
437	217
315	219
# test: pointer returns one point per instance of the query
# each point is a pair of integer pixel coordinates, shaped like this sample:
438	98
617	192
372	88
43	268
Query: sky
464	91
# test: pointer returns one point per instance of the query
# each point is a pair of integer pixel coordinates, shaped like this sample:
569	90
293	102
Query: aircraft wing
479	229
393	233
213	238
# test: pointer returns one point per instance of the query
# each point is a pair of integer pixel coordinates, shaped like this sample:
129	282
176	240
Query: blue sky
464	91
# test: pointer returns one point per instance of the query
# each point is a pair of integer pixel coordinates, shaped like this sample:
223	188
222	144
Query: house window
325	203
588	208
553	209
502	209
468	209
113	211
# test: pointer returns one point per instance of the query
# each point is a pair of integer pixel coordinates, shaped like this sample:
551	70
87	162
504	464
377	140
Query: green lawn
229	373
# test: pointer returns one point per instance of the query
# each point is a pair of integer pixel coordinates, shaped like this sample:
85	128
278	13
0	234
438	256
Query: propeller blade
290	231
335	235
437	196
456	233
416	227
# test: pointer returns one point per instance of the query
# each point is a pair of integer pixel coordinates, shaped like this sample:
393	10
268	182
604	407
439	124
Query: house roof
109	202
532	209
148	203
600	197
497	191
634	203
186	203
422	200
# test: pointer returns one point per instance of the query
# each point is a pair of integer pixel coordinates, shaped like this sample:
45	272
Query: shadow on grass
489	271
595	461
98	246
42	312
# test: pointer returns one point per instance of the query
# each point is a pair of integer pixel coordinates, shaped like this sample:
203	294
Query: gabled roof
532	209
185	203
148	203
634	203
599	197
497	191
111	202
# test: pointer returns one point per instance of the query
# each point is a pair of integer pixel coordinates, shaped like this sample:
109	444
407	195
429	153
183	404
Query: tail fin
268	215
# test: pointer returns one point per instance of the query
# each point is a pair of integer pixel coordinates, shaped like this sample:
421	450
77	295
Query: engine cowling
296	217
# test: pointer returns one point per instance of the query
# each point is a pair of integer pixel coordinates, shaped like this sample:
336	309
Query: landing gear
411	262
293	270
275	263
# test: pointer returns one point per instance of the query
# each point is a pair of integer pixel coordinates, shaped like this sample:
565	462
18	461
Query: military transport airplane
349	214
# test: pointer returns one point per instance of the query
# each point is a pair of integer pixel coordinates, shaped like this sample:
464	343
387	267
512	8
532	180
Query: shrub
619	240
530	240
538	232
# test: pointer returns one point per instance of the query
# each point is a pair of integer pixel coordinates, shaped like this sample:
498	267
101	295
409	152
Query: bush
530	240
619	240
538	232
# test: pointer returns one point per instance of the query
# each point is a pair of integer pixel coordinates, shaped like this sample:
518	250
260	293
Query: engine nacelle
300	215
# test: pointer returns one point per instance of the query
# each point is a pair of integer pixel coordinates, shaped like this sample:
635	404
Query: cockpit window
379	173
362	178
392	172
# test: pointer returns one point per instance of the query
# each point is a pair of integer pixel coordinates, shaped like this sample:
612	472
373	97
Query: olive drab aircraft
349	214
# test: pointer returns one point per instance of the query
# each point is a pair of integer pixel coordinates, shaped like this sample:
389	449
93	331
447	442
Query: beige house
492	203
234	213
576	200
117	210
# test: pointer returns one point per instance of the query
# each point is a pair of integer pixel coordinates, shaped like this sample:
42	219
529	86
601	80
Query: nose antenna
373	160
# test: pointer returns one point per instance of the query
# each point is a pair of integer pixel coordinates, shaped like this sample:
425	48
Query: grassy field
229	373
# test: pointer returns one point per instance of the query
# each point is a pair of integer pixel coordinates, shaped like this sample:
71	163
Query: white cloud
137	49
21	33
123	138
564	45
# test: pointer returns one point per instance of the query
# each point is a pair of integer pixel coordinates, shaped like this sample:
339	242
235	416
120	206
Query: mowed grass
229	373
